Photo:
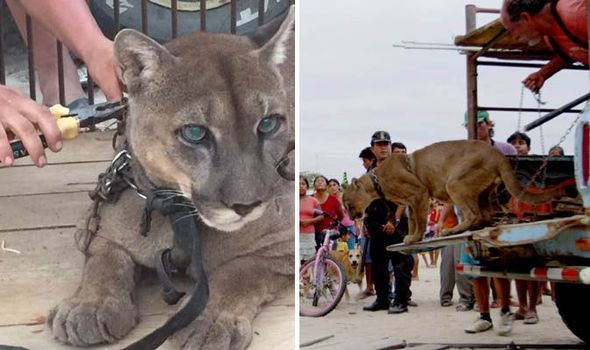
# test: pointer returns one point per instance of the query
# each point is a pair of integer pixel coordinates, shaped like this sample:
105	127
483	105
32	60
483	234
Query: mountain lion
210	118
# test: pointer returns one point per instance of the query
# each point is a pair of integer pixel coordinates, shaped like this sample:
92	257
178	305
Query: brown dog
458	172
351	261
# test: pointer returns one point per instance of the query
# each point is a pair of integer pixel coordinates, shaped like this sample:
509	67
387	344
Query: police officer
387	225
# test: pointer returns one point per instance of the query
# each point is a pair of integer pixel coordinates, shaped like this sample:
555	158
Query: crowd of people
386	223
562	25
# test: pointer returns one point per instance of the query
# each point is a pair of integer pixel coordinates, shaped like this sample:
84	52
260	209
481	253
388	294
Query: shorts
306	246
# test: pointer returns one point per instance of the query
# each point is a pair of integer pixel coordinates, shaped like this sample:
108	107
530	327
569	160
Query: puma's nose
244	209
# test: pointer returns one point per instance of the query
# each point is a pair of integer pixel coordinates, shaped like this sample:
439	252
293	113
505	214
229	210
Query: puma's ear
139	57
344	187
274	38
355	183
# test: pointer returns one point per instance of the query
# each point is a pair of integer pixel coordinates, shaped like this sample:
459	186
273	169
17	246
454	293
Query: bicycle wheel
318	299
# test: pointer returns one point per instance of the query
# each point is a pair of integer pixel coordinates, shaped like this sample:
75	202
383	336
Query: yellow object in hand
69	126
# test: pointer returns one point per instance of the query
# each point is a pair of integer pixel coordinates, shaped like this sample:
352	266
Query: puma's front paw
409	239
225	332
83	322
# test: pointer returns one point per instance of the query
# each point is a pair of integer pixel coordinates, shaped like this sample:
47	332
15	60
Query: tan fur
457	172
227	84
351	261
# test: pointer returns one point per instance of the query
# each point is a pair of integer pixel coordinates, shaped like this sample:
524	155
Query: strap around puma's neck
376	184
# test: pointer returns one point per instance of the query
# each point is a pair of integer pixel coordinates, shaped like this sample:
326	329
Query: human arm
535	81
393	220
21	116
72	23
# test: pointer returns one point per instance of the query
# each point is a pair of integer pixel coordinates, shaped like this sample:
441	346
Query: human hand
21	117
104	69
534	82
389	227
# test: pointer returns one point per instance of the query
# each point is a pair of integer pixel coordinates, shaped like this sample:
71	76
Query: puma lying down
210	128
459	172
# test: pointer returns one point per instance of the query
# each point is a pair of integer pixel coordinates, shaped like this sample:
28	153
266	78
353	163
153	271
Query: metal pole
544	119
2	68
203	10
260	12
470	22
144	17
60	73
471	97
174	19
32	83
233	16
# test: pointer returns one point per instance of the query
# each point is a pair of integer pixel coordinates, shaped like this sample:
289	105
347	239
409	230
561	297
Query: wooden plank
88	146
18	213
49	270
51	179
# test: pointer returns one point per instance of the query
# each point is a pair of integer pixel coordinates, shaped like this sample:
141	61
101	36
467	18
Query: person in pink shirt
562	24
307	220
335	189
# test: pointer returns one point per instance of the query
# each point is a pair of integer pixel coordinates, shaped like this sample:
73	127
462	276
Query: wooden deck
38	212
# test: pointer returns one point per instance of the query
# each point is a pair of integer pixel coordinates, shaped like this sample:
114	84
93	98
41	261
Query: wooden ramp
39	209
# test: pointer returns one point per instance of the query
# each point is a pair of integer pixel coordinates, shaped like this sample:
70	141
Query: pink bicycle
322	281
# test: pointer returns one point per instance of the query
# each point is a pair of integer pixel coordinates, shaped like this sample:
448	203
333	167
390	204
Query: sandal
531	318
518	316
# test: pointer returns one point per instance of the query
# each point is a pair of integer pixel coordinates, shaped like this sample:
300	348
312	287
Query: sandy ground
352	328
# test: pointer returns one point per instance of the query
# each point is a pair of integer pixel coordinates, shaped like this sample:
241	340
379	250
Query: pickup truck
544	244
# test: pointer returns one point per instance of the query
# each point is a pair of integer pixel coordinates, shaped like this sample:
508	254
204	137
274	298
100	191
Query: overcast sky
354	82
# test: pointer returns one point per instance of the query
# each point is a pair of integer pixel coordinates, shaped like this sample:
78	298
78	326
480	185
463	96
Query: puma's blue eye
193	133
269	124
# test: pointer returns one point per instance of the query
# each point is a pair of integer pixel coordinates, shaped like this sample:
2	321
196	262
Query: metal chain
519	123
539	103
546	161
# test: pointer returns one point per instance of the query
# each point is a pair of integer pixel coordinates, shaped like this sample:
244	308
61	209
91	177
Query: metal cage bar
2	63
31	58
203	15
233	16
60	73
174	18
116	8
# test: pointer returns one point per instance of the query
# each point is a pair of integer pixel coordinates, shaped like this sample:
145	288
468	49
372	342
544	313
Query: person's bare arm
535	81
72	23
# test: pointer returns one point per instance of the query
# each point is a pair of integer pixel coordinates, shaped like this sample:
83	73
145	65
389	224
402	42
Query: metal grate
185	16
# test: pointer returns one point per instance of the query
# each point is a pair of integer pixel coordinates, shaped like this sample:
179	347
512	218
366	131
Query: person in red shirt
329	204
562	24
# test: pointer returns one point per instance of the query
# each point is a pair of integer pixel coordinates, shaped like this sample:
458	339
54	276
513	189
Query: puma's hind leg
419	211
